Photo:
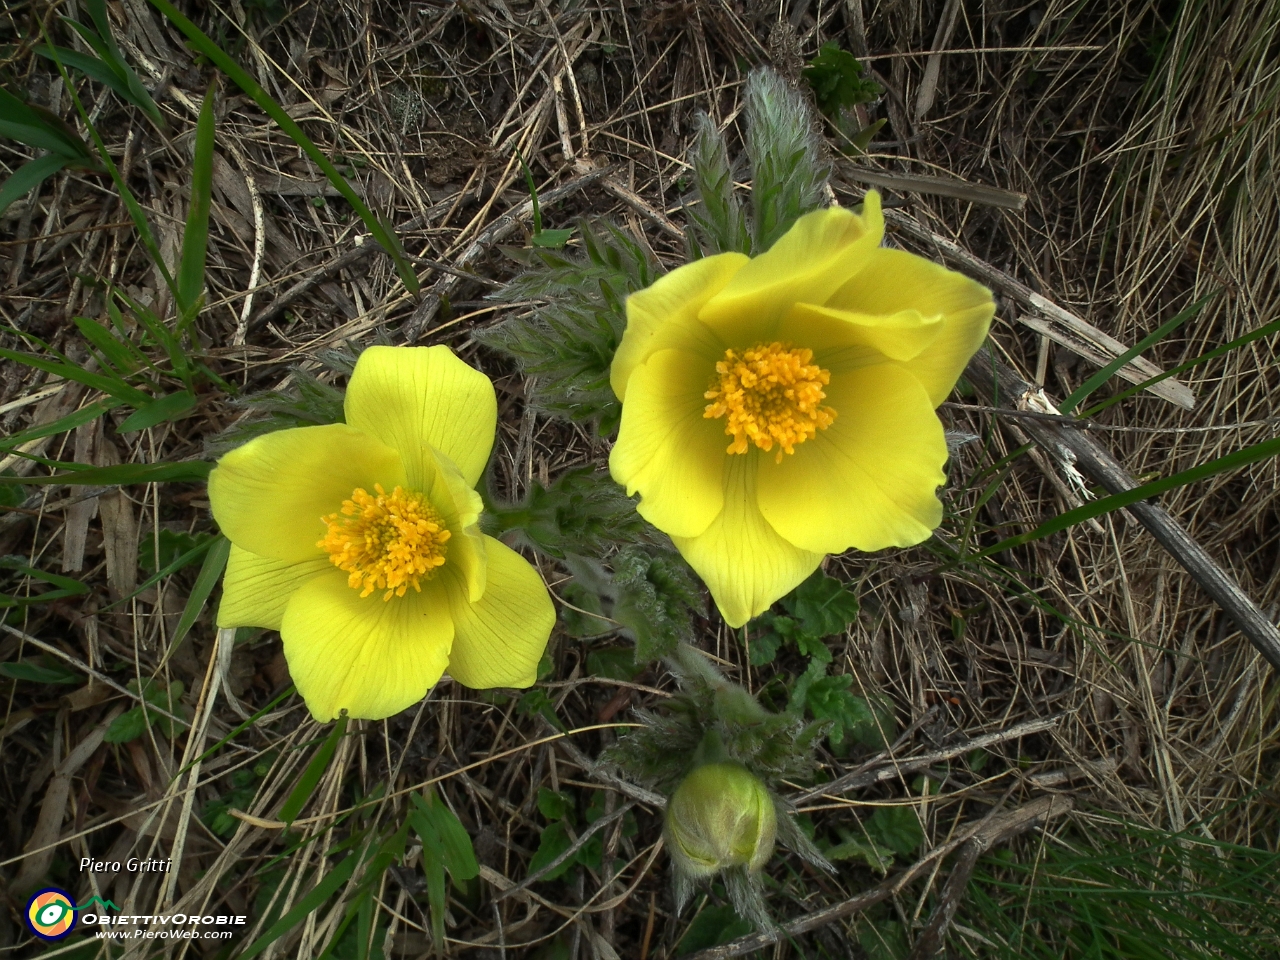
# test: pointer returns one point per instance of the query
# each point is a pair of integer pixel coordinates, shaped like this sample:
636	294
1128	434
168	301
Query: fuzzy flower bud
720	816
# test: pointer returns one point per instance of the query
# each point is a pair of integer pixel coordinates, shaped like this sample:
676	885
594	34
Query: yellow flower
720	816
359	542
781	408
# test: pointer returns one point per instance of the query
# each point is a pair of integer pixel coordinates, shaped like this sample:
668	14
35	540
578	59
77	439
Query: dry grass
1146	141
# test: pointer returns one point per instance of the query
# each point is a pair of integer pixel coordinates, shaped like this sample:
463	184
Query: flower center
389	542
769	394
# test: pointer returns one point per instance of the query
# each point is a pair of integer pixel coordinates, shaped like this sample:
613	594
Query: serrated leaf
896	827
764	648
616	663
823	605
554	841
836	77
130	725
553	805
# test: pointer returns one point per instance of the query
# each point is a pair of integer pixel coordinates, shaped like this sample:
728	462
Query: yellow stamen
389	542
770	394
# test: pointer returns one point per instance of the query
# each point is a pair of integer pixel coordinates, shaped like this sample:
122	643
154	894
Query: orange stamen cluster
769	394
389	542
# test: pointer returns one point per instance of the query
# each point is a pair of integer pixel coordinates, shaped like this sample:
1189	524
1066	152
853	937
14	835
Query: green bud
720	816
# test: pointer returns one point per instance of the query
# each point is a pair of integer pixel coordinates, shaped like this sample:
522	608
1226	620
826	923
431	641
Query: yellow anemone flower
359	542
780	408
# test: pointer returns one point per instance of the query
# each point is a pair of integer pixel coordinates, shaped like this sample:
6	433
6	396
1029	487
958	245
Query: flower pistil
769	394
389	542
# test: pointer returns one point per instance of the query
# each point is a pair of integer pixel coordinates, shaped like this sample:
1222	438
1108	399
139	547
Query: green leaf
318	894
130	725
29	176
214	563
616	663
581	512
836	77
457	854
764	646
158	411
306	784
195	237
554	841
897	828
875	856
245	82
553	239
823	605
711	928
555	806
34	672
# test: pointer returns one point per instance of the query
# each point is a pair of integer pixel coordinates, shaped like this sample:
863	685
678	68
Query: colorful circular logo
51	914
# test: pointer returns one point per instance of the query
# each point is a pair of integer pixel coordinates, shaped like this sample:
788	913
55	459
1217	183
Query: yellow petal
368	656
870	479
666	450
269	495
500	639
895	280
811	261
256	590
743	562
459	506
412	397
664	315
844	340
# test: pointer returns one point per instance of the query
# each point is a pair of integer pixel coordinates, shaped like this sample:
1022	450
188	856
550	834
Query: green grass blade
195	553
195	238
111	386
38	127
159	411
1264	331
136	213
306	785
245	82
119	354
215	561
1095	508
1106	373
128	86
124	474
29	176
318	894
72	420
253	718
